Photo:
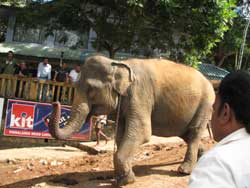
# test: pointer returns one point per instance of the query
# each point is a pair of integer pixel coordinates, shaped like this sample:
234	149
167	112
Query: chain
117	119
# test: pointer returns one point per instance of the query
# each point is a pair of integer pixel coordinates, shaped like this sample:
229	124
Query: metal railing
15	87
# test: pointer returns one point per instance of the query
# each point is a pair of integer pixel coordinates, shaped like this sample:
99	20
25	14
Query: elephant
151	96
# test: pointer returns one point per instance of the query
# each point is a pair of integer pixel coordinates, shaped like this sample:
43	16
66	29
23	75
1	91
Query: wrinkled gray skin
159	97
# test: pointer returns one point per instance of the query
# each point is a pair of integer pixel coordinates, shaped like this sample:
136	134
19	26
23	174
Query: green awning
19	4
37	50
212	72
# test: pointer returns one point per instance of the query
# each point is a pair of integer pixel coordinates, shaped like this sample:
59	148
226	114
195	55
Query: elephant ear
123	77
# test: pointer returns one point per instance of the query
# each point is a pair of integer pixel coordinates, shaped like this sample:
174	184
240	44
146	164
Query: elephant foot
185	168
125	179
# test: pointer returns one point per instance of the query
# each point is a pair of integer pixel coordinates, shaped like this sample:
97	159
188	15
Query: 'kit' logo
62	121
22	116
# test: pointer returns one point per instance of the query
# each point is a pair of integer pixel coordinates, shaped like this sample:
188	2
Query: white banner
1	110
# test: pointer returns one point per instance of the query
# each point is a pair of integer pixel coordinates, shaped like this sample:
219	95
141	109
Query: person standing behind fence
21	72
10	64
8	68
44	70
44	73
74	74
61	75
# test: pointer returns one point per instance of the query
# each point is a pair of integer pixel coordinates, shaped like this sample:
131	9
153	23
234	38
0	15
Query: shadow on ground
91	179
143	170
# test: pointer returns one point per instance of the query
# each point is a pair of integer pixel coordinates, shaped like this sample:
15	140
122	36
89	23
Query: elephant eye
91	92
93	87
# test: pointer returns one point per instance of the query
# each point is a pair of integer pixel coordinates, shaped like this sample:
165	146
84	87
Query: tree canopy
185	31
188	29
226	53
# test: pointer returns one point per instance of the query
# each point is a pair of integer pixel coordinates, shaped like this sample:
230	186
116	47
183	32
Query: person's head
232	105
10	55
78	68
45	61
64	66
22	65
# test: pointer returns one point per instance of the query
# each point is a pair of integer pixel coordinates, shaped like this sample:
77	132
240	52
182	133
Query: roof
38	50
19	4
212	72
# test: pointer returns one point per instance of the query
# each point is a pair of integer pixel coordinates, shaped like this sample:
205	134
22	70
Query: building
33	44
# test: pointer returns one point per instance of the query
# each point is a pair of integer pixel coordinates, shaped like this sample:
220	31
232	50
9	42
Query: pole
61	58
243	45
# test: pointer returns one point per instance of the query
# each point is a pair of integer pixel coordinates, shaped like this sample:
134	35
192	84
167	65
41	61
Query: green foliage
224	54
115	28
3	19
190	28
3	28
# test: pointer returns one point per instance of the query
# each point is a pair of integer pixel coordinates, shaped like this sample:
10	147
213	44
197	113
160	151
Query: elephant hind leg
192	137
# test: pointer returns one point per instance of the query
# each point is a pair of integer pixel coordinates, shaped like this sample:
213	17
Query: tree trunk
111	53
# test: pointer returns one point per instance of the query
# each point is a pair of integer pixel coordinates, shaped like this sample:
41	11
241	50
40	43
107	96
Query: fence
36	90
42	90
31	89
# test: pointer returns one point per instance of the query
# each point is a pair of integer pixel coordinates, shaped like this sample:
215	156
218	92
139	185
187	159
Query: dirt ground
155	166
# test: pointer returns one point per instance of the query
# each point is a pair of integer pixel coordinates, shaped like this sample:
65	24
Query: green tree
226	53
110	20
186	30
3	19
3	28
190	27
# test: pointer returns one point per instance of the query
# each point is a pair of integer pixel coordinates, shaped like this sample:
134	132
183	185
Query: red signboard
30	119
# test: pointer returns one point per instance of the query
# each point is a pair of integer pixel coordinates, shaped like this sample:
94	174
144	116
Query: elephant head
102	81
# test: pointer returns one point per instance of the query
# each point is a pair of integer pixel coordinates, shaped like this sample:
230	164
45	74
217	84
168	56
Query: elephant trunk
79	112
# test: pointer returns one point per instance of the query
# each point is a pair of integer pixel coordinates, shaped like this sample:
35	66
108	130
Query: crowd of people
44	70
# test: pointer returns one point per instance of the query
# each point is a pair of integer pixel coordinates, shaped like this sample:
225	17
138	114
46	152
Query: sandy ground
155	166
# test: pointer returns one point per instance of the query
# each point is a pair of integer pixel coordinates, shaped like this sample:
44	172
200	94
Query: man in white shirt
44	70
227	165
44	73
74	74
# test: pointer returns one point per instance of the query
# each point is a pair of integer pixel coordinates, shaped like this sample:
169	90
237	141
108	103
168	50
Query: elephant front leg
135	134
123	163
